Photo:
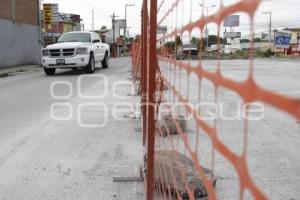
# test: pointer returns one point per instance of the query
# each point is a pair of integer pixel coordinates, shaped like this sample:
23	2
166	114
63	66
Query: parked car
187	51
76	50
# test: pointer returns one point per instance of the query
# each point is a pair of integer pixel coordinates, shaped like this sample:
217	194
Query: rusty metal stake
128	179
151	112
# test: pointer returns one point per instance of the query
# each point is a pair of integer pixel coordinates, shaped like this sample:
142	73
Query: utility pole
13	10
125	29
40	23
113	29
206	28
93	20
270	27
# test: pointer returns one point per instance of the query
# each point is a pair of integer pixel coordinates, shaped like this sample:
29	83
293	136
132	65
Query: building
260	46
188	50
265	42
295	41
20	33
295	35
66	23
106	36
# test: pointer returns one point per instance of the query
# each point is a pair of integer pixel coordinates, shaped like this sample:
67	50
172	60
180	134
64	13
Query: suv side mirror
96	41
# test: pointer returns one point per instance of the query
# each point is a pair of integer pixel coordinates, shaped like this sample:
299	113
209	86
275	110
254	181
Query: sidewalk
11	71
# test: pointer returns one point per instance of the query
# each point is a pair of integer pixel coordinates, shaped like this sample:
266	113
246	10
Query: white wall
19	44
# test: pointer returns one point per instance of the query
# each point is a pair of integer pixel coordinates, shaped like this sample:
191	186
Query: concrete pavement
273	141
42	158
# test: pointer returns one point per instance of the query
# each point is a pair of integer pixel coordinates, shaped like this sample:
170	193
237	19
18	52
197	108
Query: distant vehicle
76	50
188	50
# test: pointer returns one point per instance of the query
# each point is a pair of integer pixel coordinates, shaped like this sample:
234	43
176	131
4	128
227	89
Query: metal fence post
151	110
13	11
144	68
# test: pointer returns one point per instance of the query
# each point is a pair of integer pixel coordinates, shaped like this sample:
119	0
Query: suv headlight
45	52
82	51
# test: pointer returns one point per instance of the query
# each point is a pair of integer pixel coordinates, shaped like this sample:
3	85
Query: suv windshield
75	37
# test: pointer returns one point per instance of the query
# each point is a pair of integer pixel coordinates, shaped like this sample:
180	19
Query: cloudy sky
285	13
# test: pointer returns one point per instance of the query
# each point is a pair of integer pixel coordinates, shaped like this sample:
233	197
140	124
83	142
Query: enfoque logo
93	102
112	100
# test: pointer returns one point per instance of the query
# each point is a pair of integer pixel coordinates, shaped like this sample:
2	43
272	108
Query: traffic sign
162	29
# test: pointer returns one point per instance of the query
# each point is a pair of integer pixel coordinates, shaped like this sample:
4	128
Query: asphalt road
42	157
46	158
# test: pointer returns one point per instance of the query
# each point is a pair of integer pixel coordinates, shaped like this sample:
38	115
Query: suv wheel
105	61
91	66
49	71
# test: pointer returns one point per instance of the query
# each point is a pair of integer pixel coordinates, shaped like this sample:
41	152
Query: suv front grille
68	52
55	52
61	52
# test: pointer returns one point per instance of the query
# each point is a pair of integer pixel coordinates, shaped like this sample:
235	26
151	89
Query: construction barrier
136	59
172	171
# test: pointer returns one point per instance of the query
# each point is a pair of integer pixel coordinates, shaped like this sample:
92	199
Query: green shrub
265	54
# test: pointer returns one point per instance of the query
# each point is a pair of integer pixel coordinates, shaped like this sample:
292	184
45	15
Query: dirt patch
6	74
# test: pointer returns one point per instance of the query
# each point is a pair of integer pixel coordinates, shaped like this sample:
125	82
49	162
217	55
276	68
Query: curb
11	71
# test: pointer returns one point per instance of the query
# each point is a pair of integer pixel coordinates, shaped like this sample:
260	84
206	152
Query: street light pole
93	20
125	29
206	26
270	27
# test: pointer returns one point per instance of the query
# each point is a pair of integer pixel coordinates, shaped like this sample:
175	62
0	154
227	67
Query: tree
195	41
212	39
169	44
178	41
257	39
245	40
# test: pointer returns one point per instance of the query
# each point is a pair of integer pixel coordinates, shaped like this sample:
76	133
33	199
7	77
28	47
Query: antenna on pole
93	20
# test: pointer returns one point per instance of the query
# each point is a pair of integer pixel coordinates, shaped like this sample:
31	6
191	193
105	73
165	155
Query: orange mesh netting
136	59
168	169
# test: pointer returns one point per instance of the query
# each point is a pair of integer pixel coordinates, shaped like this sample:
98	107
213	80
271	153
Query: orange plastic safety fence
176	172
136	60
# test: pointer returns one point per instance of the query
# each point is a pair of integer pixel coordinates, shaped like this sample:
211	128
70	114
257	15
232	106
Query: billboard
232	34
232	21
54	13
282	39
120	24
75	18
162	29
67	17
50	13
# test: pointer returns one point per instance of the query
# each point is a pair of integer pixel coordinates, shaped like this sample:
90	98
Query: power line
96	9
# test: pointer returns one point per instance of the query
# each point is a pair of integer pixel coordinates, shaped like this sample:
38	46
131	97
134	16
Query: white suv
76	50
